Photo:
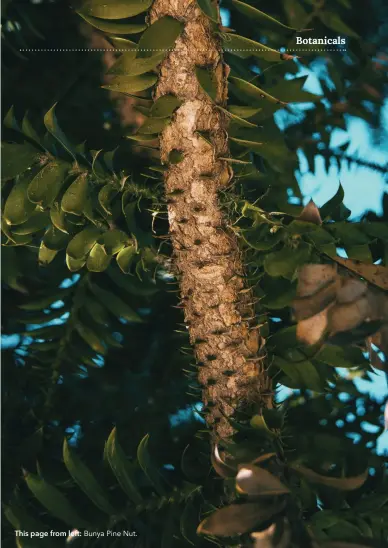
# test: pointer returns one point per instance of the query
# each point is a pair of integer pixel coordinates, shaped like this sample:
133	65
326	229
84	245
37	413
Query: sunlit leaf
46	255
18	207
74	199
175	157
159	37
244	48
234	119
131	84
127	65
16	159
106	196
115	9
153	126
98	260
113	241
165	105
46	185
141	137
83	242
292	92
58	218
124	26
259	423
125	258
243	111
254	93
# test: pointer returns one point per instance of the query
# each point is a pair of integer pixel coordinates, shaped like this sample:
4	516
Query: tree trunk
217	304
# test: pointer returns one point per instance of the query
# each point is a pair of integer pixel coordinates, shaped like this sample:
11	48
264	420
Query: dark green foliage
99	358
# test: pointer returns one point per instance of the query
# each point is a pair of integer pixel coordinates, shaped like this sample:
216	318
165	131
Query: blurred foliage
97	355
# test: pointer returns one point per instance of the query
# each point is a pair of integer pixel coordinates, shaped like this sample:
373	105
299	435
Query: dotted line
89	49
132	49
298	49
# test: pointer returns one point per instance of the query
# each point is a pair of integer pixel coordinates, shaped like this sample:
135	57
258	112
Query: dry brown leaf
340	306
263	458
310	214
378	303
255	481
351	290
344	484
270	538
309	306
238	519
375	274
312	330
264	538
313	277
222	468
345	317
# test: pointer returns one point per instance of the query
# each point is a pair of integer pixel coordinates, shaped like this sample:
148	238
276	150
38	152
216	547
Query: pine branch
217	304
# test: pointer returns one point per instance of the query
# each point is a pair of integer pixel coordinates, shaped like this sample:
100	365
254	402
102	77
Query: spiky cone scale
206	252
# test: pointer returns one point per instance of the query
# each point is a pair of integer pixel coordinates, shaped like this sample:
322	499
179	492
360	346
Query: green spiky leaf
256	15
131	84
244	48
125	258
52	126
115	9
124	26
16	159
86	480
209	8
208	81
83	242
18	207
74	199
148	467
115	304
159	37
98	260
127	65
54	501
46	185
121	468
